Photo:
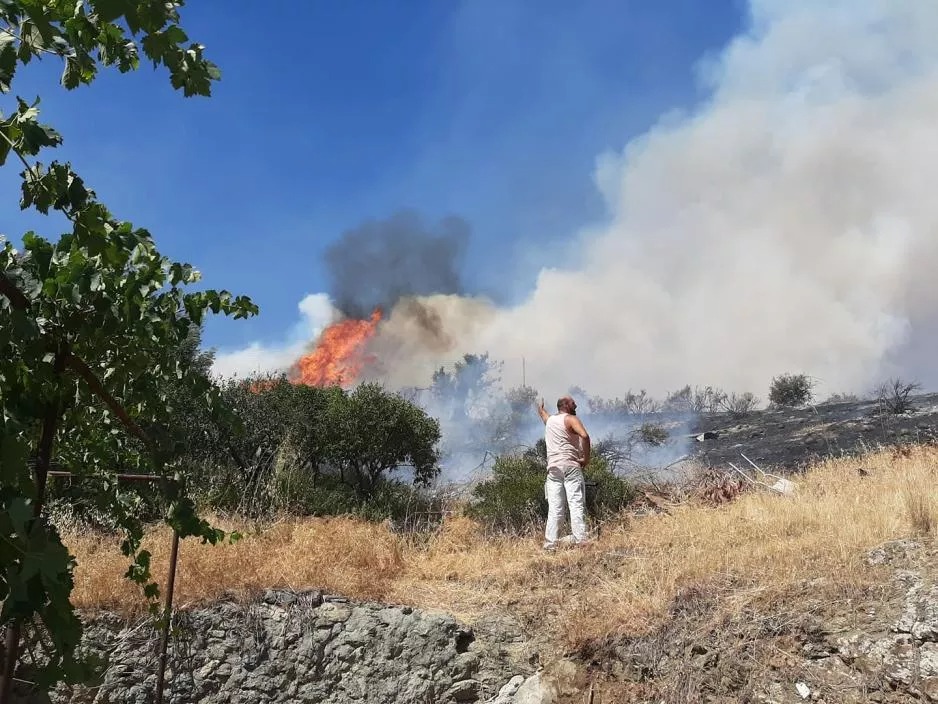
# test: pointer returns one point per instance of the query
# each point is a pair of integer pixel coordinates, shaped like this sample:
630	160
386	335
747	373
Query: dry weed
756	549
918	496
716	487
340	555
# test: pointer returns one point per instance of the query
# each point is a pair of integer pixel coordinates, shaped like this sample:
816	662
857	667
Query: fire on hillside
340	355
399	345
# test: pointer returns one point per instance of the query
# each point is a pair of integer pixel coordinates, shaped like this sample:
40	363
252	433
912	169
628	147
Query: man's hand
542	411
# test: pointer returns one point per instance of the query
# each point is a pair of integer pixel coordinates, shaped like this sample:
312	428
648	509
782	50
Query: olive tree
370	432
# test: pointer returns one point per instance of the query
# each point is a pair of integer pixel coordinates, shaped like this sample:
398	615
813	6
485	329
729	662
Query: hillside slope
696	602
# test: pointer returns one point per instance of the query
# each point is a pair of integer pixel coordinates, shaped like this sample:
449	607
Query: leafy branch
89	327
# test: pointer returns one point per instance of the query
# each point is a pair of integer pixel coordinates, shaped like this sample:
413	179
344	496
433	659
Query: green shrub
652	434
609	493
293	487
292	435
296	490
410	509
791	390
513	499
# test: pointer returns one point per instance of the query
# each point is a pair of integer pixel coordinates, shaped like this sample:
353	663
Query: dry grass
918	496
757	548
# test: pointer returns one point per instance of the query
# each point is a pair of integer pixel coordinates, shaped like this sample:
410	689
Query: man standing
568	452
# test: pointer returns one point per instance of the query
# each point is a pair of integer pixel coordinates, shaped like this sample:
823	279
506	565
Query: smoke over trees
783	222
381	261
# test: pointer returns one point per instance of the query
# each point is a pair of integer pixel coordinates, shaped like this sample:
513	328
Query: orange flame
339	356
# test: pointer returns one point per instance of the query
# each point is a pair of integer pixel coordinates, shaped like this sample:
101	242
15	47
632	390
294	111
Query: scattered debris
706	435
803	690
717	487
784	487
658	502
781	485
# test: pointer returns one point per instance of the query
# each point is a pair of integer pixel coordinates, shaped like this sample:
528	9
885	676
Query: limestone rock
299	648
537	689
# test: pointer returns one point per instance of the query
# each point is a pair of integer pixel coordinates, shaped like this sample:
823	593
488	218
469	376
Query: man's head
566	404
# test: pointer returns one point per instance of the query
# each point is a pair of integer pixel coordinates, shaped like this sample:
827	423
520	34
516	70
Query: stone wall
299	648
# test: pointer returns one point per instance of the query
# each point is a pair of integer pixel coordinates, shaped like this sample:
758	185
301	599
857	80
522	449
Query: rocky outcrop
301	648
881	648
906	659
895	662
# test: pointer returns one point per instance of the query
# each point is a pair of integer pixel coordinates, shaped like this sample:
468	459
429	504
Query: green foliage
79	502
90	325
87	35
234	463
479	417
371	432
611	494
652	434
466	386
791	390
409	508
510	419
309	450
513	499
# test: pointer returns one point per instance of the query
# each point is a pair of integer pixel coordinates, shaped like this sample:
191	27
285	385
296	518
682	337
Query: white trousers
565	490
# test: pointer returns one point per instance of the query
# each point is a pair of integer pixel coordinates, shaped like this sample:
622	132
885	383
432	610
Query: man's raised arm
575	425
542	412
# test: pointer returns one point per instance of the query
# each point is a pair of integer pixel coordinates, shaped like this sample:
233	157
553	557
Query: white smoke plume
789	224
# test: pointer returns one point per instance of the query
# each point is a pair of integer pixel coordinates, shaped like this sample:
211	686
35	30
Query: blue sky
332	113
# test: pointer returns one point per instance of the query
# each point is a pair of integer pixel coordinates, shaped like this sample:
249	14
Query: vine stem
167	616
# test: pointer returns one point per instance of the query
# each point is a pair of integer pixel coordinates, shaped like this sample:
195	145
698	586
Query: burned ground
791	439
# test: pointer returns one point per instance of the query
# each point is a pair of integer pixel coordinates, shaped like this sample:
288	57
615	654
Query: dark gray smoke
381	261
